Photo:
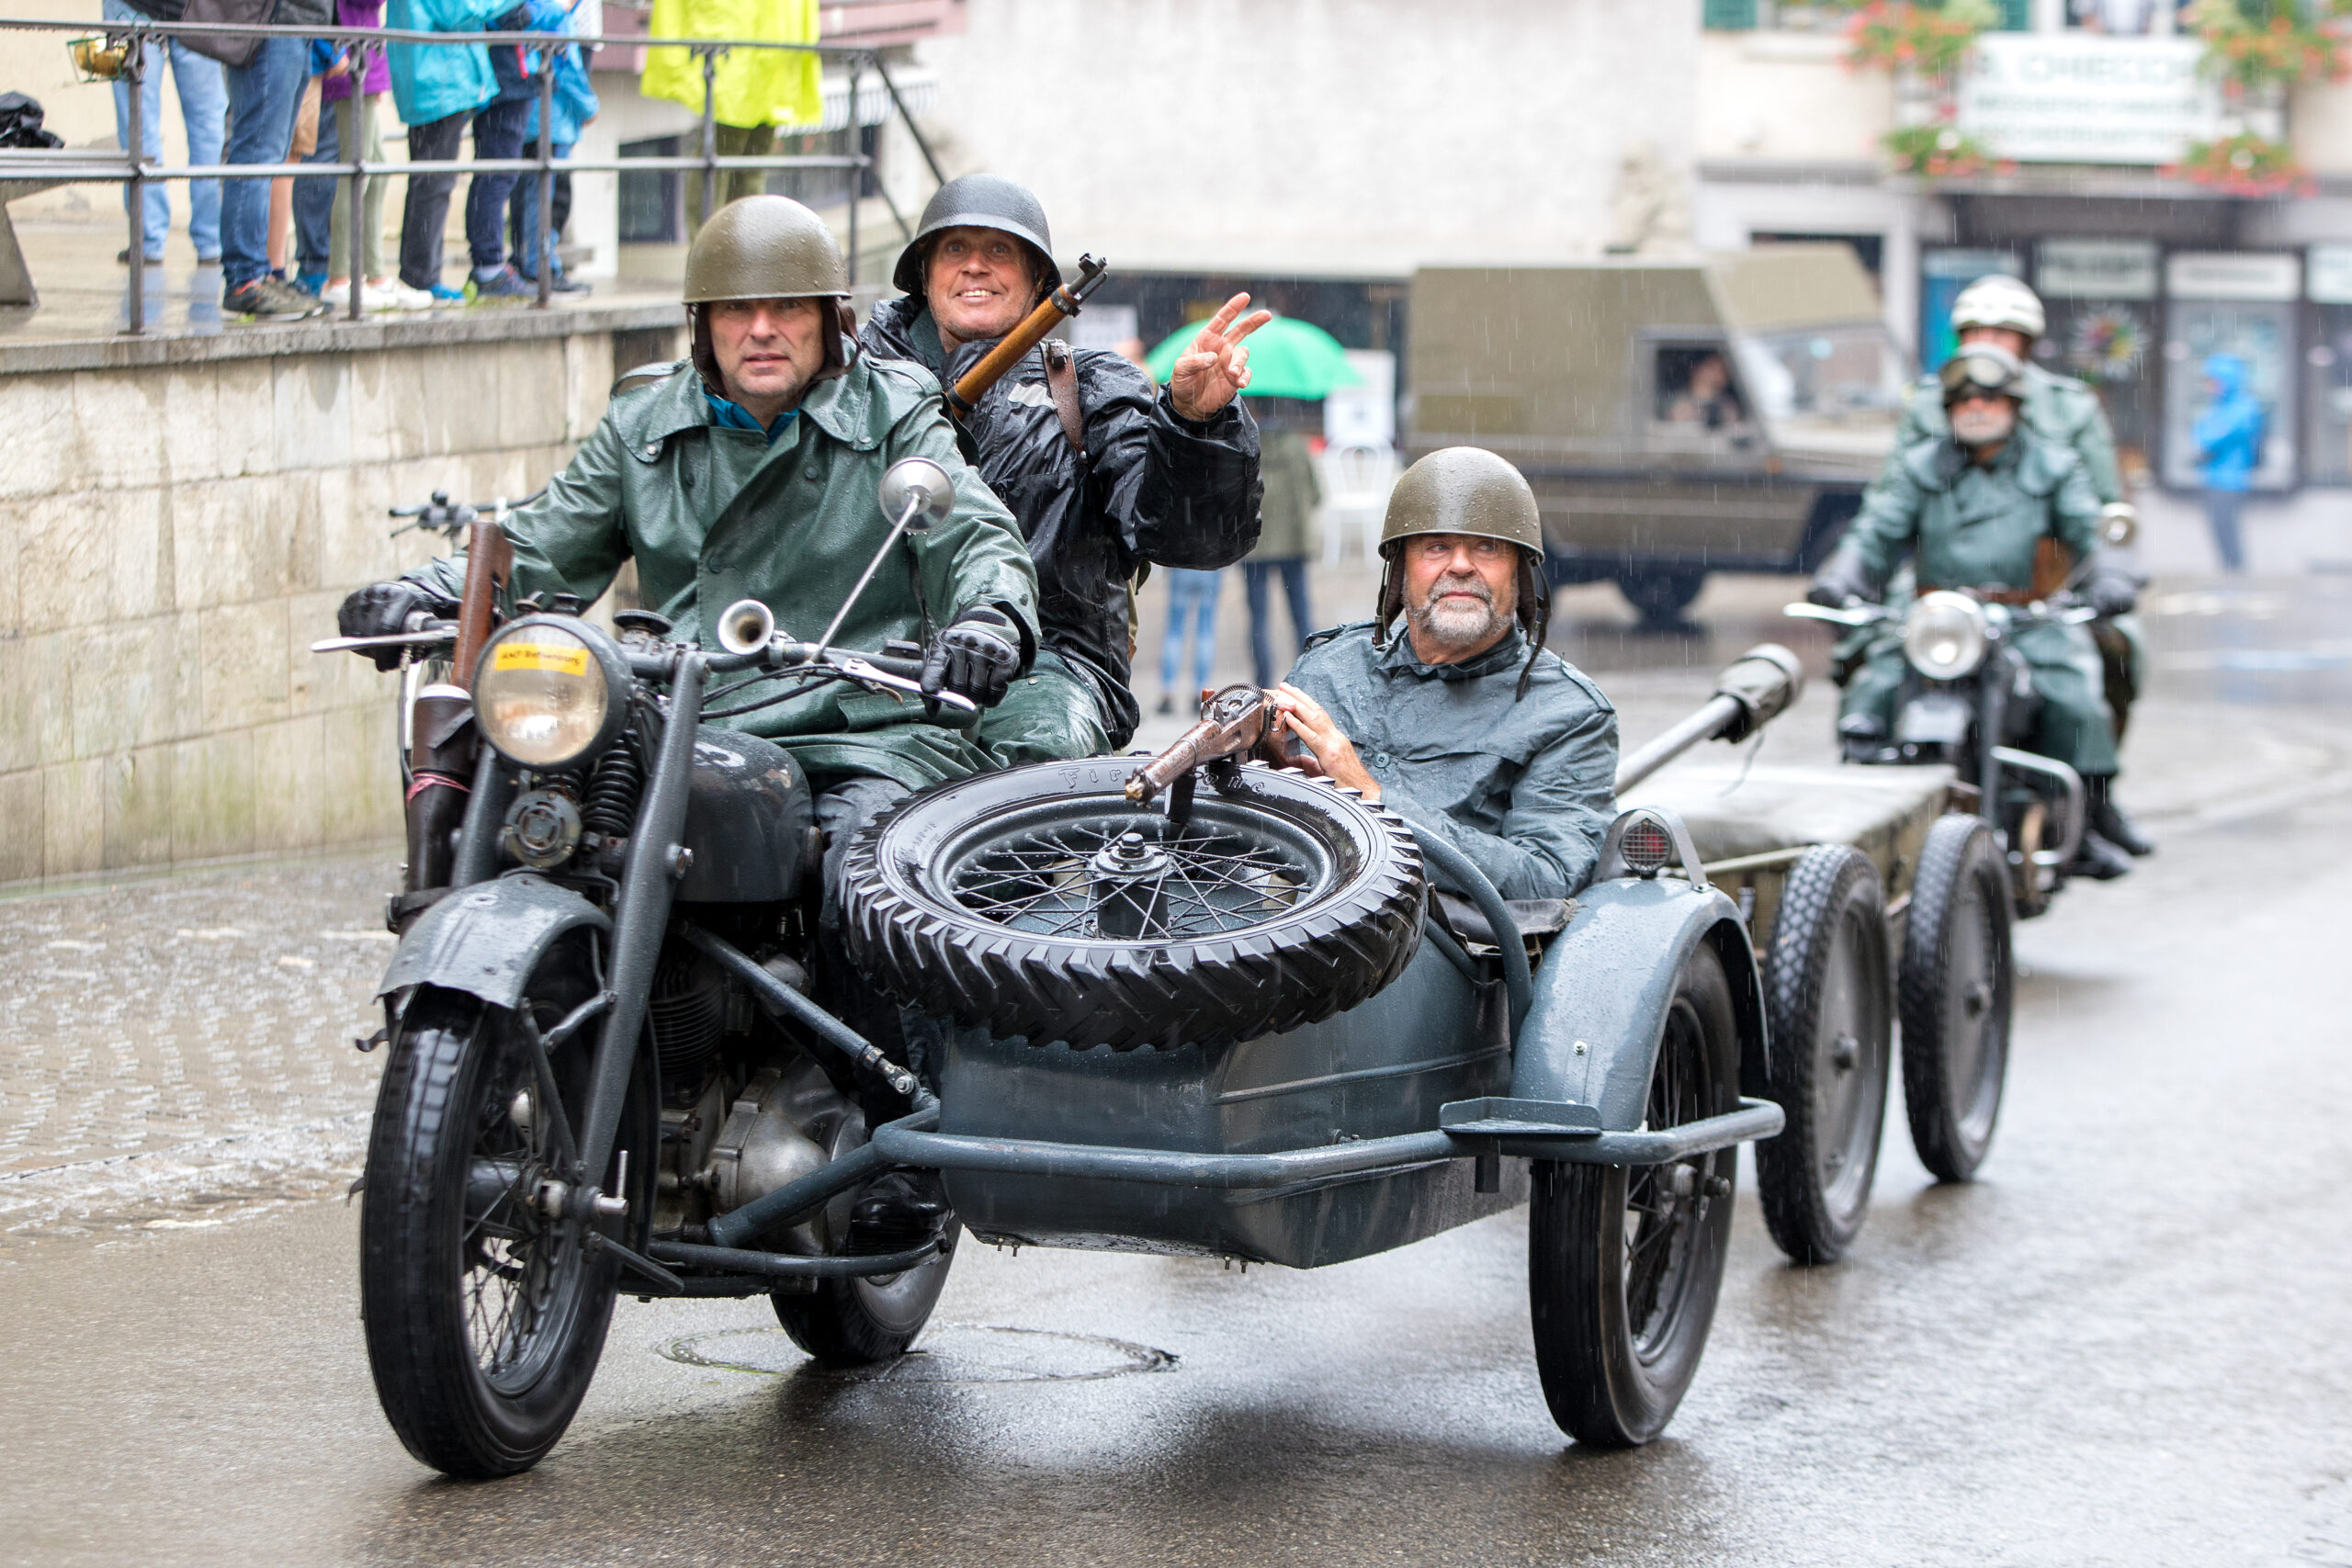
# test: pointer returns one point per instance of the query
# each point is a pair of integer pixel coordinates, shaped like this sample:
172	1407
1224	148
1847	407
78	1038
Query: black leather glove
975	656
1834	590
2111	594
383	609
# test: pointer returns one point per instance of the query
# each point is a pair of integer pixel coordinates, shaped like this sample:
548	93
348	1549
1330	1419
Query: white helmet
1998	300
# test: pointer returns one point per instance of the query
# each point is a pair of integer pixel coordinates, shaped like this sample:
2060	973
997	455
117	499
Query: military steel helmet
1463	489
764	247
1981	367
981	201
1998	300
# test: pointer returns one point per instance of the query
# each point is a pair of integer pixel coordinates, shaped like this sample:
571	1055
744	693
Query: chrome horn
746	626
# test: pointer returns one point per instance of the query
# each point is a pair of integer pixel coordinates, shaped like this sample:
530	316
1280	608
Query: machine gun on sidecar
1199	1004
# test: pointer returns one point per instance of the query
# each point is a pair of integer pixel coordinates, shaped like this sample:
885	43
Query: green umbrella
1288	358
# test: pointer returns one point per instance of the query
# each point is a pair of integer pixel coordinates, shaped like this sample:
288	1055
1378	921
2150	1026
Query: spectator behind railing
752	91
575	106
438	88
263	92
358	101
204	107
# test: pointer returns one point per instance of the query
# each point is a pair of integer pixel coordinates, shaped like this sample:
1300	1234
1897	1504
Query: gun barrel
1752	690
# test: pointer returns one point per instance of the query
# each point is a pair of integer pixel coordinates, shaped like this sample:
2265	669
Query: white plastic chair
1356	482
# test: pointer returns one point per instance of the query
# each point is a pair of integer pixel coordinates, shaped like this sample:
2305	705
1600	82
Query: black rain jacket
1156	487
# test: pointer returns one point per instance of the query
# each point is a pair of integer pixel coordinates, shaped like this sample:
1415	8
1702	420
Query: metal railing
93	165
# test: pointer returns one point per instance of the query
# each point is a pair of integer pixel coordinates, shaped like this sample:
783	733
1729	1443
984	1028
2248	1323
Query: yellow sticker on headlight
548	656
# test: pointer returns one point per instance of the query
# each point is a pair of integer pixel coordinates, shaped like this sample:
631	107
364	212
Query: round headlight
548	691
1944	635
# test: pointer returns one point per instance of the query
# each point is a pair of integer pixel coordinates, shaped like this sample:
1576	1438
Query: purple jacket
358	13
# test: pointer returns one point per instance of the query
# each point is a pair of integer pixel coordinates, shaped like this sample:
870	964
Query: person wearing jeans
1285	531
204	108
263	95
1192	597
435	89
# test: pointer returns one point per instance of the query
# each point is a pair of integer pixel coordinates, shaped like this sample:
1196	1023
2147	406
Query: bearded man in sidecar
1465	725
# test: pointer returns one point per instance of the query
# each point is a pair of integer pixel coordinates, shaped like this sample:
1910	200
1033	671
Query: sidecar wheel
1003	901
1624	1264
483	1318
1954	997
1828	991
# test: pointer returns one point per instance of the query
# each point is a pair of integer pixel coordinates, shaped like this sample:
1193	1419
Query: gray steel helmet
764	247
1468	489
981	201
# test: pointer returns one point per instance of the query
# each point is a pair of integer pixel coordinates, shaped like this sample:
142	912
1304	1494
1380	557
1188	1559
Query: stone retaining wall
182	526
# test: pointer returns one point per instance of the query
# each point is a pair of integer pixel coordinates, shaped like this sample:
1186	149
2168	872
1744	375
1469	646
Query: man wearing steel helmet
1465	724
1104	471
751	472
2000	311
1969	509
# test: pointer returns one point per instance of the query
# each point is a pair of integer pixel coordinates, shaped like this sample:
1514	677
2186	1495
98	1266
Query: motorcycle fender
486	940
1603	991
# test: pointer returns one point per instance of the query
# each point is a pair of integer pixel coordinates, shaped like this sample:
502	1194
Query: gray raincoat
1526	787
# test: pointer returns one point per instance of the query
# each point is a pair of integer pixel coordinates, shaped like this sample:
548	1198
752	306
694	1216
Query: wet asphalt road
2131	1342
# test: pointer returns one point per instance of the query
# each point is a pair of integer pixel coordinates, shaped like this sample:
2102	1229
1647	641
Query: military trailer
1720	414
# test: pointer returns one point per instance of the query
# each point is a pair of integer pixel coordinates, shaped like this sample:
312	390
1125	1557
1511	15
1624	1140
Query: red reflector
1645	846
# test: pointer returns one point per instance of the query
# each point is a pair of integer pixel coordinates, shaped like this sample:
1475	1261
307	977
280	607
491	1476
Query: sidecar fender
1603	990
486	940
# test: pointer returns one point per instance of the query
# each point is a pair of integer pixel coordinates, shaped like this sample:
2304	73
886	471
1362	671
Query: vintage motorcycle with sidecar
1191	1003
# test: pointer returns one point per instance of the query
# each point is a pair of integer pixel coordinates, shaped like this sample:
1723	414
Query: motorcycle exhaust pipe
746	626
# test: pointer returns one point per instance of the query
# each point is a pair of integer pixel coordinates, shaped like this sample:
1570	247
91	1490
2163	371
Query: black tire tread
1954	845
1814	900
1303	969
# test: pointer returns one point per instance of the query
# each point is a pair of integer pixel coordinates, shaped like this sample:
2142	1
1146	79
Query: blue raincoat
2230	430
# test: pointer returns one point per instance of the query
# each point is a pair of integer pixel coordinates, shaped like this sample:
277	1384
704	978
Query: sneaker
122	258
393	297
312	283
442	294
504	285
268	299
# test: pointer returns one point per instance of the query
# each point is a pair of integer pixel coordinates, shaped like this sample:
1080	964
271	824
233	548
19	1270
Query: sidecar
1603	1055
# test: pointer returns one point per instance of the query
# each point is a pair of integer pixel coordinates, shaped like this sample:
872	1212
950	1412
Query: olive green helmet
764	247
1467	490
1463	489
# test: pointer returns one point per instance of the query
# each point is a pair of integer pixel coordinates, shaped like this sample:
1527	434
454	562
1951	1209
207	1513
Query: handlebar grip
891	664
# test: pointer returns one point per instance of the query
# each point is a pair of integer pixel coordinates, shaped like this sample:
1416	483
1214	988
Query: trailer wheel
1829	994
1624	1263
1954	995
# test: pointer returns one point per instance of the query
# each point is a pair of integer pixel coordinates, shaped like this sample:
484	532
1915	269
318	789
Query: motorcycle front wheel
484	1317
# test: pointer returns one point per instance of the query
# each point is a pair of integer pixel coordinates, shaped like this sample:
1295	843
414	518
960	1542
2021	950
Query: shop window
2260	337
1691	389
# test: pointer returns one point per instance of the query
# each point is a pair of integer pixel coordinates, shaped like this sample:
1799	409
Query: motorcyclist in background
2002	312
1104	471
1970	507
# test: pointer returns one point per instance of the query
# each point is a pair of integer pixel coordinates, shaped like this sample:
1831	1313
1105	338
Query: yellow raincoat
753	86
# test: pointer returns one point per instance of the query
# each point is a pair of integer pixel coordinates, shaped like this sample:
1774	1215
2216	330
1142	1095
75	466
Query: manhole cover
948	1352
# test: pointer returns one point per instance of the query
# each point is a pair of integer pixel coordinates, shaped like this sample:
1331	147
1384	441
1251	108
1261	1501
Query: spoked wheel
1829	995
855	1322
1956	994
1624	1263
1039	902
484	1299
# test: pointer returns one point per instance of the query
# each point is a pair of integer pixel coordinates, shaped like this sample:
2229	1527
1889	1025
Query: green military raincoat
1971	527
1524	787
712	515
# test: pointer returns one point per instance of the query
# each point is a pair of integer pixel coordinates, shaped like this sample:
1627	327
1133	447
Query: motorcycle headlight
1944	635
551	692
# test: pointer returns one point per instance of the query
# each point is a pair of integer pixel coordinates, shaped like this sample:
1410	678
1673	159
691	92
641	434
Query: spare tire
1039	902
